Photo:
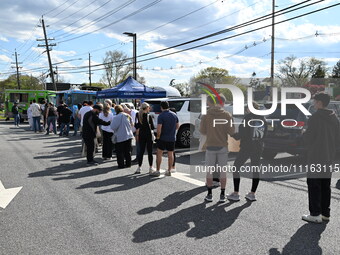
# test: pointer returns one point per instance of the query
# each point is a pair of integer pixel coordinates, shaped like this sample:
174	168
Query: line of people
321	139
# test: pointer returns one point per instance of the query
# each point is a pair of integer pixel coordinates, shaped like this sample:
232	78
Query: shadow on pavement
57	170
174	200
87	173
125	182
304	241
207	220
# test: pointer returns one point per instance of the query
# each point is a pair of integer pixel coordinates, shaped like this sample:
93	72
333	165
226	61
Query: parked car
187	110
288	138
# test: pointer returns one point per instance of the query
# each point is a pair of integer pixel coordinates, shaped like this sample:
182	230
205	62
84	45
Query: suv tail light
293	124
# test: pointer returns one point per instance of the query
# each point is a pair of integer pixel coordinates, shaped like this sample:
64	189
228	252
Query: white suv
187	110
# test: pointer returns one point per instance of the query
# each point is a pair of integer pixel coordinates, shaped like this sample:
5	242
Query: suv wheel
183	137
268	155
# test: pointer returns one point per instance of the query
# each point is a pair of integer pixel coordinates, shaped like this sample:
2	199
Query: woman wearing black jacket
144	135
251	146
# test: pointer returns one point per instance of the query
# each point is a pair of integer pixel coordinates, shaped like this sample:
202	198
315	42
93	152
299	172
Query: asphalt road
66	207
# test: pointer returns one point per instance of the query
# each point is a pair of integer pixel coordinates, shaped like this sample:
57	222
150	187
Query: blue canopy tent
130	88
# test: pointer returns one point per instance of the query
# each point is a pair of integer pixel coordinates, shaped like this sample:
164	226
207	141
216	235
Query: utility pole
90	70
273	46
17	67
48	49
56	73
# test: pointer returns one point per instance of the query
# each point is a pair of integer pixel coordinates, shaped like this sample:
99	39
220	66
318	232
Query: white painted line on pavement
186	178
7	195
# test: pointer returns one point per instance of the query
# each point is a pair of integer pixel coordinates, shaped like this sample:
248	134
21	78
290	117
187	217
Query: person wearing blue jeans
65	114
15	111
36	124
16	119
62	128
53	120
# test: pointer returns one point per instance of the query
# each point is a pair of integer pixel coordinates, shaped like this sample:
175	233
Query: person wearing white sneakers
216	156
167	124
251	146
321	140
144	136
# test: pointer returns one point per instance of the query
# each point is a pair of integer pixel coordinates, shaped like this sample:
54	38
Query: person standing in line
90	124
216	156
65	119
133	114
44	106
251	146
29	116
36	114
122	128
144	134
51	116
322	139
16	115
173	168
87	106
76	120
167	124
107	116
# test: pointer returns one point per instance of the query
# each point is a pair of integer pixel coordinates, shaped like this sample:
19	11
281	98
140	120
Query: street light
134	36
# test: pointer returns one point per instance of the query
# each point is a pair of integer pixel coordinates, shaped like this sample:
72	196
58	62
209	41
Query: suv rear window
195	106
292	112
156	107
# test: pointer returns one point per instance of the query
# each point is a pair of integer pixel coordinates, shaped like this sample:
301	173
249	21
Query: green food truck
23	98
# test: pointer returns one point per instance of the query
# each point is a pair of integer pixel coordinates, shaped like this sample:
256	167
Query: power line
181	17
245	24
226	38
88	24
117	21
101	6
251	22
74	13
56	8
64	9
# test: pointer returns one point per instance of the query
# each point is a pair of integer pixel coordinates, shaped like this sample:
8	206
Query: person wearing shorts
216	156
167	125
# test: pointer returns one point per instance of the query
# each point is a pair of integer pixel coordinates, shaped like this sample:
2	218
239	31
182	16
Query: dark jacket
90	123
15	109
251	136
65	115
322	136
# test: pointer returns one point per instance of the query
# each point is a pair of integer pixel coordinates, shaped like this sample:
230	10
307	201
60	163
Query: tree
318	77
212	76
26	82
117	68
336	74
297	73
183	88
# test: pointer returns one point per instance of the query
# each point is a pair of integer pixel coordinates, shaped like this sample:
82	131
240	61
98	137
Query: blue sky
164	23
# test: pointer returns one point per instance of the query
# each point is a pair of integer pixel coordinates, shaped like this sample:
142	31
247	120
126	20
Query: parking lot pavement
66	207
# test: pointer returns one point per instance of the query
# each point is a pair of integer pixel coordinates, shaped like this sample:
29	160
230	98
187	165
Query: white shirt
133	114
29	112
82	112
108	118
35	108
